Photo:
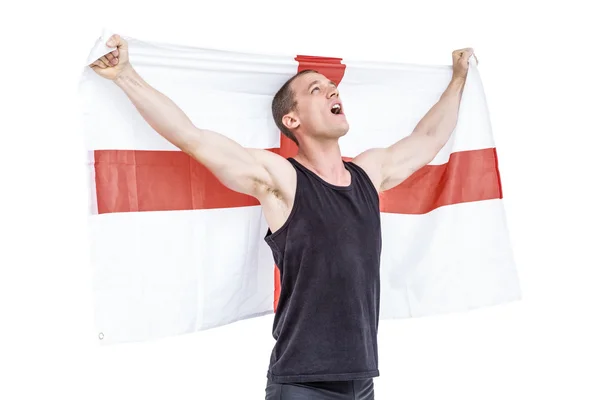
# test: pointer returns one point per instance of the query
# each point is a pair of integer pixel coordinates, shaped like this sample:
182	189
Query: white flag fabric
174	251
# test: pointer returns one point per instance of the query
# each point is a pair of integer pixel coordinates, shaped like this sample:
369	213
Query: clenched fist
114	63
460	62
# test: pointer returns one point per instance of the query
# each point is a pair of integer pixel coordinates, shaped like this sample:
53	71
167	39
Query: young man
323	216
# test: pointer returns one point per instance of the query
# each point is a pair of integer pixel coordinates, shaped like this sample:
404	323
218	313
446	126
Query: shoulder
371	161
281	172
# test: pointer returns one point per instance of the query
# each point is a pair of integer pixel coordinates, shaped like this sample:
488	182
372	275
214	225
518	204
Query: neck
325	159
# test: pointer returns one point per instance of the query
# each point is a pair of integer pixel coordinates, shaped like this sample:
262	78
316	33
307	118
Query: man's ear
291	121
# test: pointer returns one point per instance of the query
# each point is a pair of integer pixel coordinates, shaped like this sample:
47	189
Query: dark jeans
361	389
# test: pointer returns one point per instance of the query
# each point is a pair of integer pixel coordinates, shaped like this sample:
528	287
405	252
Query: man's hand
114	63
460	63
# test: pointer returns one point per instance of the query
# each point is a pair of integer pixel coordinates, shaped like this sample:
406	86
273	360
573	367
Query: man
323	216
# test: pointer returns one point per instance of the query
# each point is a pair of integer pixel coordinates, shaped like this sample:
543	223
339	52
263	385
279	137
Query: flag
174	251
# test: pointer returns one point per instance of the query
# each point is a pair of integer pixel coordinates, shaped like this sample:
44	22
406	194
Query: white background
539	65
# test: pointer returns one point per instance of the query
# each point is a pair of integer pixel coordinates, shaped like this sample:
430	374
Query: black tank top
328	253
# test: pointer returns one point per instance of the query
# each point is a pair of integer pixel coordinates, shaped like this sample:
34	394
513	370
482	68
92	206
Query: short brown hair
284	102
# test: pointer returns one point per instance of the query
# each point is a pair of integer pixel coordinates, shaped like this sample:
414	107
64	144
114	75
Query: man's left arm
390	166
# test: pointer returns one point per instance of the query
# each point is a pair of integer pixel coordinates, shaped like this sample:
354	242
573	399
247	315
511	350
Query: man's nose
332	92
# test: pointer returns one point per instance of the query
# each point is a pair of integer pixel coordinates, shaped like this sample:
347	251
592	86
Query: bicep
232	164
390	166
407	156
238	168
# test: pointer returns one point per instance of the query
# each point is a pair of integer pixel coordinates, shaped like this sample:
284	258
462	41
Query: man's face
319	112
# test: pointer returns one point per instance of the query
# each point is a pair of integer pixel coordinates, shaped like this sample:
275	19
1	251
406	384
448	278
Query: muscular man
323	216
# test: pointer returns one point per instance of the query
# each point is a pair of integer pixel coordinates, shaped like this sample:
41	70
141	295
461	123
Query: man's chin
342	129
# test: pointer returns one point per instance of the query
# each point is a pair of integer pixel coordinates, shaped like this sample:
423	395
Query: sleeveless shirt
328	254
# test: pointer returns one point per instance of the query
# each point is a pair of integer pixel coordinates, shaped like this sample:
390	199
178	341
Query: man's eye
316	88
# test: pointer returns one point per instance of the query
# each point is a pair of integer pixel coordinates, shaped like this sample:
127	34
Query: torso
278	204
326	242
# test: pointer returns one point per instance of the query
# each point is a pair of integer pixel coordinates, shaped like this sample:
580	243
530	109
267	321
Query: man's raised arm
390	166
247	171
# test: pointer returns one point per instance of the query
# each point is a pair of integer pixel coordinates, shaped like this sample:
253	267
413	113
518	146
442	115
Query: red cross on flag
174	251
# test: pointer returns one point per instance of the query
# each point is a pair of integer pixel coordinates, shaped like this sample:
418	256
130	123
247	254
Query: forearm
160	112
234	166
441	119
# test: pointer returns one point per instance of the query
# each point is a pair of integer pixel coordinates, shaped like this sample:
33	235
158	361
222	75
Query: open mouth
336	109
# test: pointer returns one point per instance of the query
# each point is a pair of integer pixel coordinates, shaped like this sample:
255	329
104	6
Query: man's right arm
255	172
240	169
